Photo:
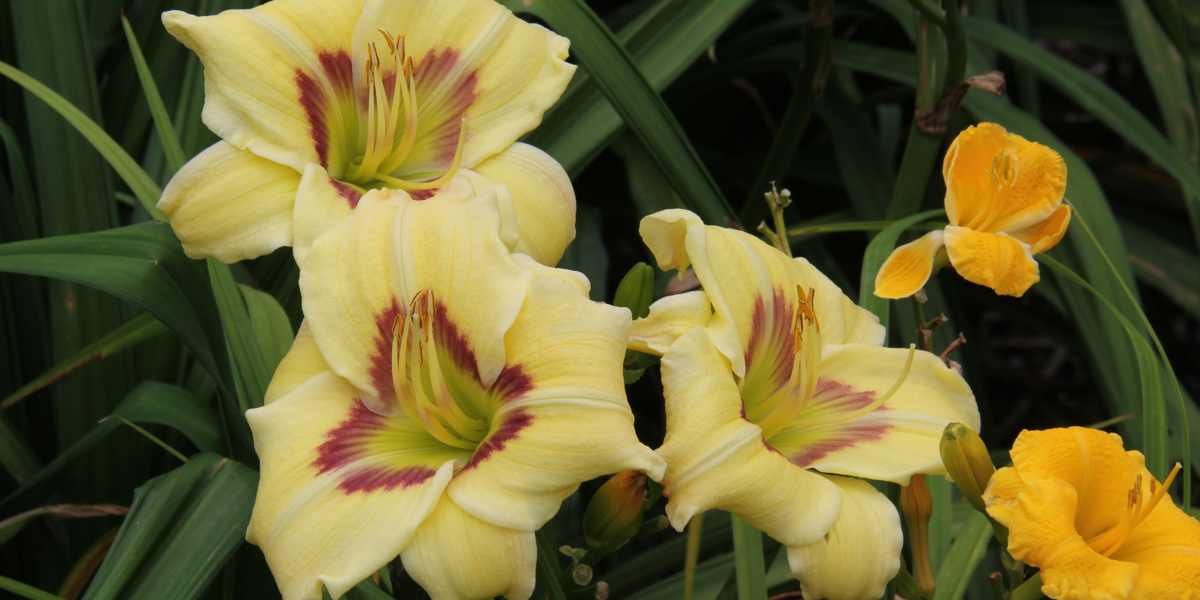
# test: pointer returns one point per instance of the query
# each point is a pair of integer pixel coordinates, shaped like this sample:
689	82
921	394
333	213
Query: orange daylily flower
1004	199
1097	523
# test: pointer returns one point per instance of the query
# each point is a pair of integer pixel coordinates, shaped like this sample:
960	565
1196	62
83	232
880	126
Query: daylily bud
636	290
967	460
615	513
917	505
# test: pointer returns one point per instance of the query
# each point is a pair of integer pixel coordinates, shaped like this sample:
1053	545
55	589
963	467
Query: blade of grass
639	105
1165	266
151	437
964	557
664	40
143	264
144	188
1165	70
135	331
180	530
74	191
162	122
748	561
25	591
1159	411
15	454
547	566
273	332
1154	418
868	177
170	405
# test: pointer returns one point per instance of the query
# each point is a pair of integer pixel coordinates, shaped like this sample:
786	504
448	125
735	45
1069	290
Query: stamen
409	186
1136	511
779	410
420	383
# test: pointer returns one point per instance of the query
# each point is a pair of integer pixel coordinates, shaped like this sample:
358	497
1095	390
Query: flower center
783	408
1003	174
420	381
387	143
1136	511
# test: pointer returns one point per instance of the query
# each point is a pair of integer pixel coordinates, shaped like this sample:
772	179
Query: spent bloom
778	394
1004	199
441	400
1088	514
319	101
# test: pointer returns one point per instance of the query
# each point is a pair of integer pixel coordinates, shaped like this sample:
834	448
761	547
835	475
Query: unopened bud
636	290
967	460
917	505
615	512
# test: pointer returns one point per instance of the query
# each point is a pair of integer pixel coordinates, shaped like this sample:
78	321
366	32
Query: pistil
420	381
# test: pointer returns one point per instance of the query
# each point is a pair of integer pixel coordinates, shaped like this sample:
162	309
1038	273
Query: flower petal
718	459
1044	235
262	66
321	202
456	556
382	255
994	260
231	204
1042	533
752	286
1041	181
351	322
473	58
890	443
971	193
342	490
999	181
669	318
1000	496
665	233
571	422
1093	462
302	362
542	196
450	245
1167	547
859	555
909	267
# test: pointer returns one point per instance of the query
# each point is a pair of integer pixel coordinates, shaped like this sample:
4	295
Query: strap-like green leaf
137	330
615	72
181	529
143	187
965	555
143	264
173	406
663	41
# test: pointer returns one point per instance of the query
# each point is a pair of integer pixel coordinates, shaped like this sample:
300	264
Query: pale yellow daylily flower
1004	199
777	389
319	101
441	400
1093	519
